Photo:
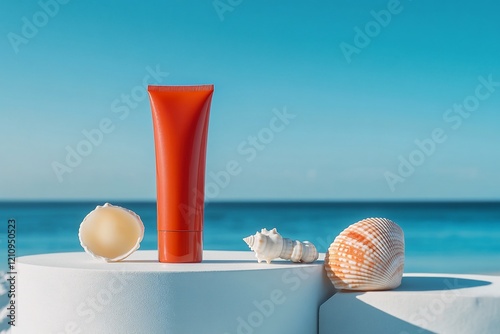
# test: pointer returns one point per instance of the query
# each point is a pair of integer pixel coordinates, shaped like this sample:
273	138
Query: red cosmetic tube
180	122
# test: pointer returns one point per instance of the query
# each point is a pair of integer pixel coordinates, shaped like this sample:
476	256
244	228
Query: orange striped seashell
368	255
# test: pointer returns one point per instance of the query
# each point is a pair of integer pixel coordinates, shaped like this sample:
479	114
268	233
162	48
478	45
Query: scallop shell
368	255
270	245
111	233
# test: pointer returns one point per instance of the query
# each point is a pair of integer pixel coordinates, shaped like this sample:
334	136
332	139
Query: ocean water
446	237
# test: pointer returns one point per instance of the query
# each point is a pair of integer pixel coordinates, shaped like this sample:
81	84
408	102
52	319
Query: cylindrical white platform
424	303
229	292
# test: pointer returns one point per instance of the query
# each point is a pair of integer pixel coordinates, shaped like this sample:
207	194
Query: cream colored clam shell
111	233
368	255
270	245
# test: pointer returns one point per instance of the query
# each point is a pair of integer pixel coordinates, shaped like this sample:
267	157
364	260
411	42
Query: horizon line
263	201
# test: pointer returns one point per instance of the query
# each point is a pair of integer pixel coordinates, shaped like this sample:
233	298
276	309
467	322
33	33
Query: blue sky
354	116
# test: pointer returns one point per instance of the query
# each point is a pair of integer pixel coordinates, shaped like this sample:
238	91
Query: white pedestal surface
424	303
229	292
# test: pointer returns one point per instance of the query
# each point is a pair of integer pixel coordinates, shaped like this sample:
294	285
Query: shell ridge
367	255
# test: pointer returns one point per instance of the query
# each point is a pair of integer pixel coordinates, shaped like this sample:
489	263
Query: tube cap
180	246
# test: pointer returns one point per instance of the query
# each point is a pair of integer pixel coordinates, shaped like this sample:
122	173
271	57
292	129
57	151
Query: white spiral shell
368	255
270	245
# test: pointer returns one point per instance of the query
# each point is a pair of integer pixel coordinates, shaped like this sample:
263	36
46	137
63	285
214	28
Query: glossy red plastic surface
180	121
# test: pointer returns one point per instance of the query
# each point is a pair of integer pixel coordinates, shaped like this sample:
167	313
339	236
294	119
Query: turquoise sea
447	237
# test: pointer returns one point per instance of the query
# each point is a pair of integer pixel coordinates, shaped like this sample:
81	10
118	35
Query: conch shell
111	233
269	245
368	255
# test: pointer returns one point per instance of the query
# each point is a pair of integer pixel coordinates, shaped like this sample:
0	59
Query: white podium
424	303
229	292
